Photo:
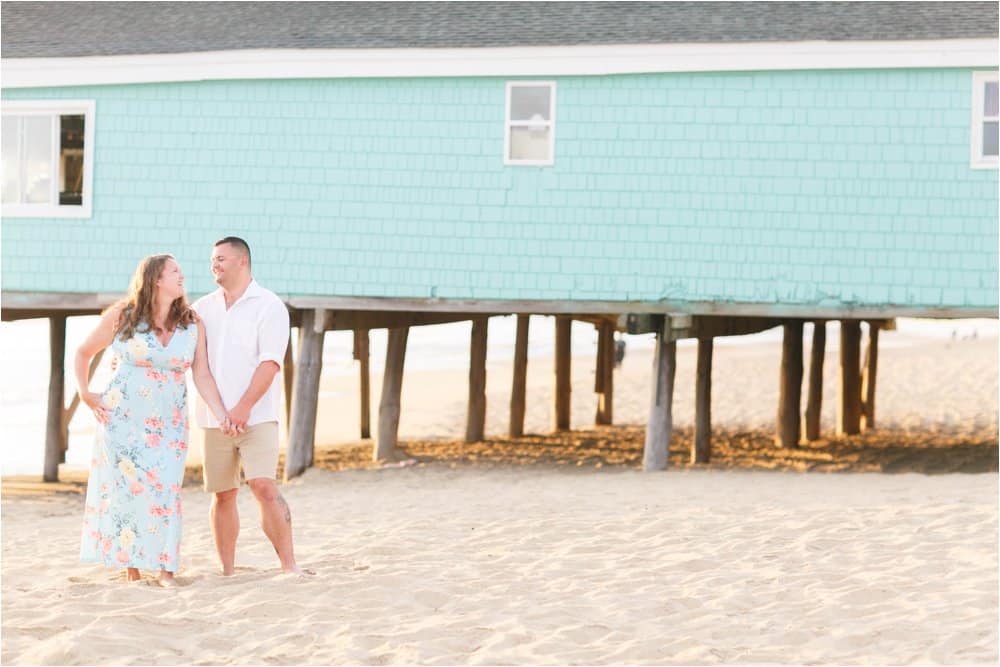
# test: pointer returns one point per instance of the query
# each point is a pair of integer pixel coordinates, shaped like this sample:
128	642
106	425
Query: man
247	329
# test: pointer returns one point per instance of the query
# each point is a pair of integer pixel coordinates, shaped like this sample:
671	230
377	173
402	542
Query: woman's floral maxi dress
132	516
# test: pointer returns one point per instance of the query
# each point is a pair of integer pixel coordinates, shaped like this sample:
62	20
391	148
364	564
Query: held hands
234	422
229	427
94	401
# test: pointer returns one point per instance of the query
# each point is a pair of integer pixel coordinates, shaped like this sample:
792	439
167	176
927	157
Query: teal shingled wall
812	187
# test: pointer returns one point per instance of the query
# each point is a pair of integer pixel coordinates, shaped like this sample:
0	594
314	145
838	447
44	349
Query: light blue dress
132	516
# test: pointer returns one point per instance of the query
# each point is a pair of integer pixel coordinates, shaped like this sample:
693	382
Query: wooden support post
814	404
660	425
475	424
305	397
604	375
518	389
562	368
288	376
849	399
361	353
790	388
74	403
868	375
392	388
54	444
701	448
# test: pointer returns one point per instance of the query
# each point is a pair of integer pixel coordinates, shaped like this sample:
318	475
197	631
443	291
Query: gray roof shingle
65	29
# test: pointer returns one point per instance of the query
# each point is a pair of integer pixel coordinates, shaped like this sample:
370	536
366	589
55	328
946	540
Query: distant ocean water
24	384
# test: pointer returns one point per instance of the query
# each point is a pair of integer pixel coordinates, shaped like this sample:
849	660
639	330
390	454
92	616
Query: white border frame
509	123
977	160
540	61
58	108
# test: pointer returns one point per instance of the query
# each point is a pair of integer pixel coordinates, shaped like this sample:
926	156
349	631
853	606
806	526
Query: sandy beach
551	550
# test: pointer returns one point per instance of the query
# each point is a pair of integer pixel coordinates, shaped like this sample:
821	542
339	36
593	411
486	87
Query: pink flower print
177	417
153	439
105	504
154	423
177	508
114	363
151	475
123	556
175	488
106	545
182	446
178	377
186	365
164	558
145	363
137	487
175	362
159	486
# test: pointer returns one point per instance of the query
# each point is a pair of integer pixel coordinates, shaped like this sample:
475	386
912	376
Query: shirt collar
252	291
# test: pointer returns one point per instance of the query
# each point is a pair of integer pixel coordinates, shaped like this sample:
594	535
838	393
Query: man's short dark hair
238	243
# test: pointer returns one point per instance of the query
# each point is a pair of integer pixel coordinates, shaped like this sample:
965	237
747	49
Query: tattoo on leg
288	512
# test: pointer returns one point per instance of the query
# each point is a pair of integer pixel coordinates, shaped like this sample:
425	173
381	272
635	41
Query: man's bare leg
276	520
225	528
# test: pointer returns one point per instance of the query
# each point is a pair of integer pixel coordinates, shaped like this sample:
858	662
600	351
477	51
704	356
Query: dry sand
470	556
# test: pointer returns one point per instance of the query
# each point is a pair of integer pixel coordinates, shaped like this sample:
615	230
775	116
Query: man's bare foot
132	574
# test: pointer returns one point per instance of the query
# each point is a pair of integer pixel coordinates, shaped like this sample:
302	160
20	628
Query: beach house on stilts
683	169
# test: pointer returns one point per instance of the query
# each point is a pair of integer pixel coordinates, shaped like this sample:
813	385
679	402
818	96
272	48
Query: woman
132	517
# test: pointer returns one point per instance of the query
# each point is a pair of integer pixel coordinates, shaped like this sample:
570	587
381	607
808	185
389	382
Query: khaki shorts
257	449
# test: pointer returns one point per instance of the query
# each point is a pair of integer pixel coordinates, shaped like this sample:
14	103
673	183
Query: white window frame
550	124
58	108
979	81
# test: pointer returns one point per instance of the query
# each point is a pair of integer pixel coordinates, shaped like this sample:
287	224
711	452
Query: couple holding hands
233	340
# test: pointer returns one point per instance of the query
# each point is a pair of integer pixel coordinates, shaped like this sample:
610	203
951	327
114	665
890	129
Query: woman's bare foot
167	579
132	574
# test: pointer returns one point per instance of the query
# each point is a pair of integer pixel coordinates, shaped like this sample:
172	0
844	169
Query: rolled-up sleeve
273	332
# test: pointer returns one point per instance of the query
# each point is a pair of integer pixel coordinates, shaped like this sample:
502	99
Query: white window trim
62	108
978	160
550	123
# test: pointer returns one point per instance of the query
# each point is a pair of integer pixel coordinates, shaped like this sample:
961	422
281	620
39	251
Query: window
529	137
985	120
48	150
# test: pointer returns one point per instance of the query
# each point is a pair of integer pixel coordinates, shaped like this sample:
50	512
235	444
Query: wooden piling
701	448
392	387
814	403
54	444
849	388
562	374
363	355
604	374
518	390
288	376
868	375
475	423
305	396
790	388
660	425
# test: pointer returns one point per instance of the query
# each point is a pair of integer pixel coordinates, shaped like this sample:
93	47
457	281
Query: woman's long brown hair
138	305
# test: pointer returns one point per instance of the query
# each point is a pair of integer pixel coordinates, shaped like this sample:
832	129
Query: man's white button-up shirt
253	330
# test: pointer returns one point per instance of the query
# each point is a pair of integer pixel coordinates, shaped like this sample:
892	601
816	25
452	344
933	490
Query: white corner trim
977	160
520	61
